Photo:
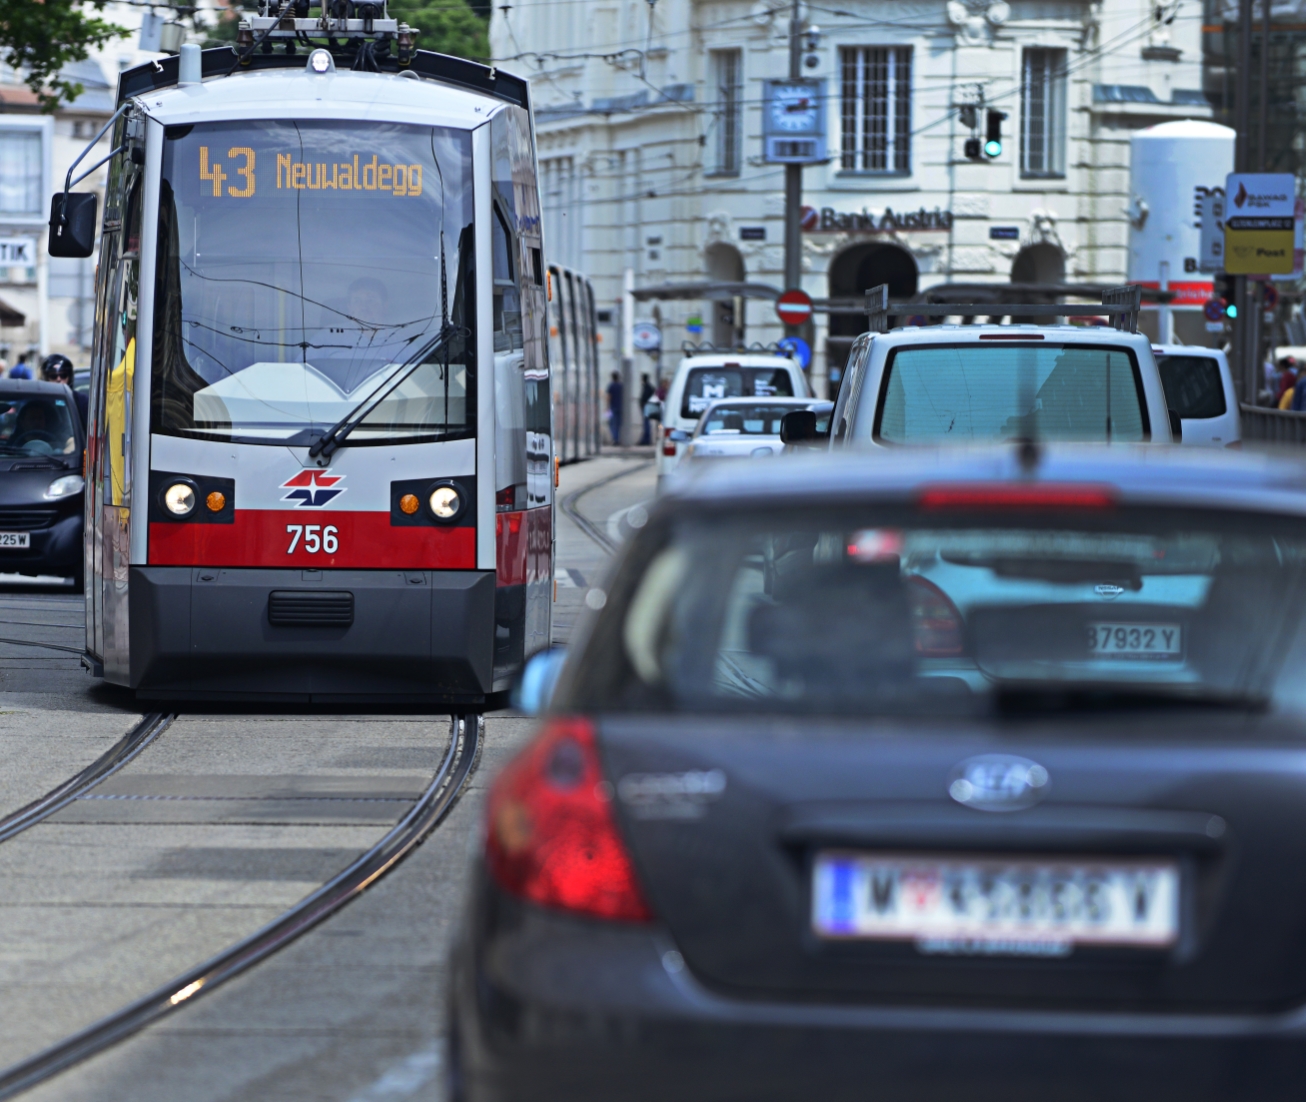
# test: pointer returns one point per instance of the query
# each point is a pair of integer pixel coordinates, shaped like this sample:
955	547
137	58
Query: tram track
116	757
570	505
430	809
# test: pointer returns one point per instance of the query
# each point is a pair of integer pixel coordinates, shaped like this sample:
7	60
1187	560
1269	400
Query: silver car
742	428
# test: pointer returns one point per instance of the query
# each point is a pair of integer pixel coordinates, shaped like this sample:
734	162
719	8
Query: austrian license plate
1156	642
15	539
962	904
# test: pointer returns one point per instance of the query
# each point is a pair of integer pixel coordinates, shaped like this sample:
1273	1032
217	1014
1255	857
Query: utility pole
1242	322
794	173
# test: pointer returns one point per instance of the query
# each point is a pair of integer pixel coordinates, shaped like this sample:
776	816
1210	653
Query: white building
650	143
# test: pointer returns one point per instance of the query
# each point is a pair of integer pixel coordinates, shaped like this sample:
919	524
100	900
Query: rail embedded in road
435	803
108	763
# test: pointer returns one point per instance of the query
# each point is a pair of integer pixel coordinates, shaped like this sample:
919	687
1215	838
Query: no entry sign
794	307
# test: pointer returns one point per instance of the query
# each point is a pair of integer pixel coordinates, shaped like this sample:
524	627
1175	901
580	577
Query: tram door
109	464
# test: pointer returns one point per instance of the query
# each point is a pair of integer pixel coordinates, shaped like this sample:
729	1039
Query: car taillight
936	623
552	837
668	445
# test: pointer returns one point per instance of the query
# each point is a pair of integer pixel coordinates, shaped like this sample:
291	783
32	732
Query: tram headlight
179	499
64	487
446	502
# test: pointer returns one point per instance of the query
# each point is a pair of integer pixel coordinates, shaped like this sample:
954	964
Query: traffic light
1224	290
993	133
973	149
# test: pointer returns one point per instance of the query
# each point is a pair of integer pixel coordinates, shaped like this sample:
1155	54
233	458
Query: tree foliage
39	37
445	26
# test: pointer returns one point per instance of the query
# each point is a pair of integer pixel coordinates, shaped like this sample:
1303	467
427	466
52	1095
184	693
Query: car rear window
746	420
977	392
929	610
35	425
1193	387
705	385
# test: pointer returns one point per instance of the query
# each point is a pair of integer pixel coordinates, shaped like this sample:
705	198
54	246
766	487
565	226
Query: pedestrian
646	392
59	369
20	370
1287	379
616	392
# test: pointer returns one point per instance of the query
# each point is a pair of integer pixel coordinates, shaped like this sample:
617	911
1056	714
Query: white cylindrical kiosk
1171	166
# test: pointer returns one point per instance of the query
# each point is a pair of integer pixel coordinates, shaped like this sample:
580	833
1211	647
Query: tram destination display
357	173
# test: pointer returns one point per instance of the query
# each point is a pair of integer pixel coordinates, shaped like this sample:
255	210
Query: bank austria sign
829	220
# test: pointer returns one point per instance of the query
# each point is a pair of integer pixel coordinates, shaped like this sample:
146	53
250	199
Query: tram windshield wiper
337	434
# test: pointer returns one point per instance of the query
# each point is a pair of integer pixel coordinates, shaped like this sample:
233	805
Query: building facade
649	122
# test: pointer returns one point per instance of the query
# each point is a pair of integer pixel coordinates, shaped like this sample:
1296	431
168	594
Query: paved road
226	820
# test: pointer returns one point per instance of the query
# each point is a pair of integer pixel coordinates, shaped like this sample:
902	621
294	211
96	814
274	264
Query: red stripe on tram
523	543
265	537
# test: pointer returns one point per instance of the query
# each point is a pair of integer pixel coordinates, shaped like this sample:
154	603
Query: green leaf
40	38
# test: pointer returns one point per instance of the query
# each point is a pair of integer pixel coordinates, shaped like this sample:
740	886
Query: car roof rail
1120	304
707	348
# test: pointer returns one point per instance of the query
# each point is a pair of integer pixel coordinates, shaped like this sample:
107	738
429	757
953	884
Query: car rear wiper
336	435
1037	698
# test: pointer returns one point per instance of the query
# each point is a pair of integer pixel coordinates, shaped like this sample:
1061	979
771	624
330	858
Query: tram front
315	288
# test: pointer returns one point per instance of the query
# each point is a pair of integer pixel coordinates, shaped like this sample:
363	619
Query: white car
742	428
1199	387
971	384
706	377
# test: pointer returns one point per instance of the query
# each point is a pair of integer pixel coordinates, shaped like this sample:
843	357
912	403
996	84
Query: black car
968	774
41	445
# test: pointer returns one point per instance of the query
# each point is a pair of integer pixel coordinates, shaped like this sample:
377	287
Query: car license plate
1135	641
962	904
15	539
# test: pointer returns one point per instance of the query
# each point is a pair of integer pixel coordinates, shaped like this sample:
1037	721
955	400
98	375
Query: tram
574	356
320	462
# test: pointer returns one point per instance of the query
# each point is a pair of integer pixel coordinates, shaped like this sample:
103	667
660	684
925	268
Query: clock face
793	109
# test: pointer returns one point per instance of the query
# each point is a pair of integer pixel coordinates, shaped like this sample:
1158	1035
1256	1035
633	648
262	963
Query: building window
20	172
1043	114
876	109
727	100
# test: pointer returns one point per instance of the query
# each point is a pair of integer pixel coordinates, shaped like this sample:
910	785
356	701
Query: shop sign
864	221
1258	223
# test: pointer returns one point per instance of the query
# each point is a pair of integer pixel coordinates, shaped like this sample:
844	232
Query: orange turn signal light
216	501
409	504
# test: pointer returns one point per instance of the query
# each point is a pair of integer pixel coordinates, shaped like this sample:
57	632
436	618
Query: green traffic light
1231	311
992	149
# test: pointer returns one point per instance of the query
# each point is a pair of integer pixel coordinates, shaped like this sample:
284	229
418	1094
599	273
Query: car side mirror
72	223
798	426
534	688
1176	427
678	435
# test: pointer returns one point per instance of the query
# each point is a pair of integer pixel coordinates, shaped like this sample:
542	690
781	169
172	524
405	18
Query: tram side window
123	297
507	298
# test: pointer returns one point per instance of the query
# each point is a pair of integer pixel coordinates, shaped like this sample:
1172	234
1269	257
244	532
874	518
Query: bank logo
313	488
1241	197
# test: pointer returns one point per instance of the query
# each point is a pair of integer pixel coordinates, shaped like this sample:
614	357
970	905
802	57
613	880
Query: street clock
793	118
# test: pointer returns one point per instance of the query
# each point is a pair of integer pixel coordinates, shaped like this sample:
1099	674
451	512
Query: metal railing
1120	304
1275	426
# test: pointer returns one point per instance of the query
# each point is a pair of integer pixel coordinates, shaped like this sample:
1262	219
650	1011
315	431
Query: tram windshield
303	268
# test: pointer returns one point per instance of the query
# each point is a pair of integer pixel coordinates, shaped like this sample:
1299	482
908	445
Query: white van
969	384
705	377
1199	387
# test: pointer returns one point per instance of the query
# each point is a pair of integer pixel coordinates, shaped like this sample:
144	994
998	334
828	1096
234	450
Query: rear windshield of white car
1193	387
705	385
977	392
745	420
